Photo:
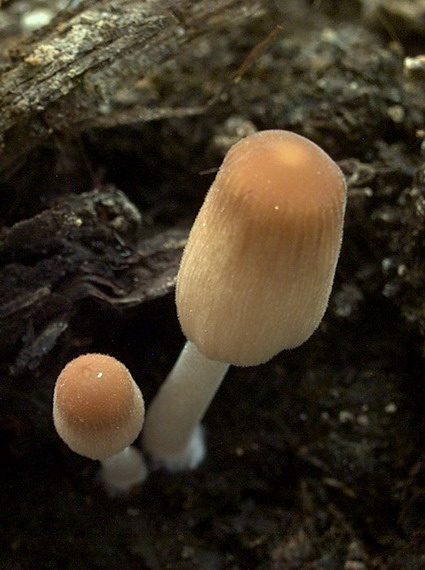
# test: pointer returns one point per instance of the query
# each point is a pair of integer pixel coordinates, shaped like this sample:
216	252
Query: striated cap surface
259	264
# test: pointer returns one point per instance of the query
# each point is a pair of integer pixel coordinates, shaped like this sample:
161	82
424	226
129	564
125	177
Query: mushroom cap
258	267
98	409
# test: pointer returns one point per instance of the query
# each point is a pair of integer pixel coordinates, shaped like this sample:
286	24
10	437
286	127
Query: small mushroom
98	411
254	279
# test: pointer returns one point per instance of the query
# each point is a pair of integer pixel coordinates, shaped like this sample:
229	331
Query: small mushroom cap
258	267
98	409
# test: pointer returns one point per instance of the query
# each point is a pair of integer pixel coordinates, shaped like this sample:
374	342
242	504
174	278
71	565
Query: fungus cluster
254	279
98	411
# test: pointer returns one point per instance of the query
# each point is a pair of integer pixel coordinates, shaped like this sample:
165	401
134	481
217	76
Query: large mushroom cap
98	409
258	267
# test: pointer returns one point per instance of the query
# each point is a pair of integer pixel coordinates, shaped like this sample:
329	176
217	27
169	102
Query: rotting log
65	76
92	245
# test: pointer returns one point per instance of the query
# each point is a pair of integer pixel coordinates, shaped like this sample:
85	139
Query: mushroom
98	411
255	278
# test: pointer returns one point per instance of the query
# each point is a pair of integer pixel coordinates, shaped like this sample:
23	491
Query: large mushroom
254	279
98	411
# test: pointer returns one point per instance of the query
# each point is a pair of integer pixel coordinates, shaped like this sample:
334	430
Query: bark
66	76
93	245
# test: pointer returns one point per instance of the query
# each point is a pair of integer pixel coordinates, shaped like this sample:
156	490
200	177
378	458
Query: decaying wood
66	76
91	245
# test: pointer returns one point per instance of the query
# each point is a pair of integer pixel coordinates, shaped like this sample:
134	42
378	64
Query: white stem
171	432
123	470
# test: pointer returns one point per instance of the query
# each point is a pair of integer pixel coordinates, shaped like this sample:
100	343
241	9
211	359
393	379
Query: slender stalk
123	470
172	433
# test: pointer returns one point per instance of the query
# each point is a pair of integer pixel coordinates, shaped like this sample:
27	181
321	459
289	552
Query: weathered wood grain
65	76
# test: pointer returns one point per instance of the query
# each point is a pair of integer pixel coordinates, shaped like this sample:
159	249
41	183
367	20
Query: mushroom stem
123	470
172	434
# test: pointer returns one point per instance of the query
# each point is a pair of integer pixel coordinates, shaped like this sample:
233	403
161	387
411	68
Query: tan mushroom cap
259	264
98	409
